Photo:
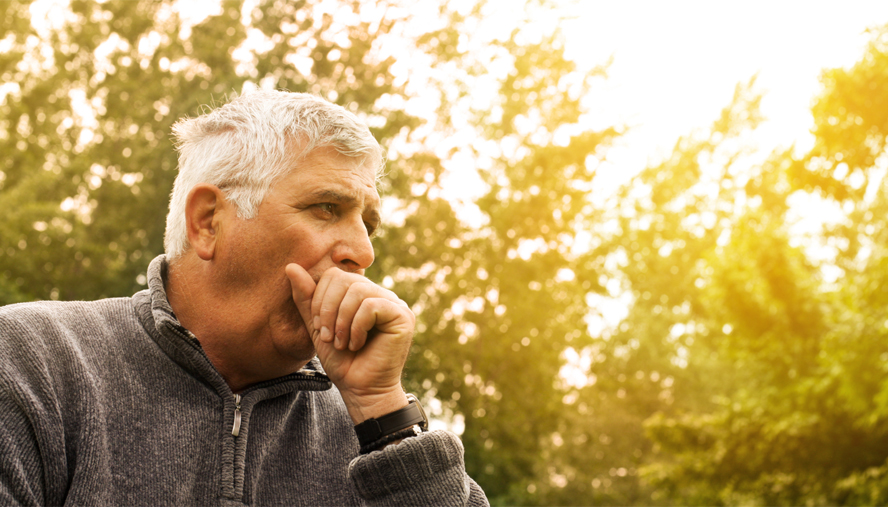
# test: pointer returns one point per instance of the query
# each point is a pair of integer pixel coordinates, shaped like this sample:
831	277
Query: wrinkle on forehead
327	175
374	163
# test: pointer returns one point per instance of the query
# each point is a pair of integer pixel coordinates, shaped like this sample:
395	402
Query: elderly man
216	384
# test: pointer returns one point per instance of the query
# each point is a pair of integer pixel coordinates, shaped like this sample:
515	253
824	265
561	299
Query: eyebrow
346	199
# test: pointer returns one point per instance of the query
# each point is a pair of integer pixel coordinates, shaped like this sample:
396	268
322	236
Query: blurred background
646	242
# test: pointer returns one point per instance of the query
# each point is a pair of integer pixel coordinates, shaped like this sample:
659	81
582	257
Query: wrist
376	433
362	408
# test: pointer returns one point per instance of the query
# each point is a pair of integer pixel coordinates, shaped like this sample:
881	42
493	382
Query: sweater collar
159	320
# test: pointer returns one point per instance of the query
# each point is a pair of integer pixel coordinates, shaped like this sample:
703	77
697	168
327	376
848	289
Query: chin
296	346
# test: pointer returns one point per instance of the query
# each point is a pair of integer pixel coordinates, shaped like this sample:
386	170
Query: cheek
308	250
253	258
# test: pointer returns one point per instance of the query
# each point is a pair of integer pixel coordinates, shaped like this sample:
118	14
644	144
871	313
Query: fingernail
325	334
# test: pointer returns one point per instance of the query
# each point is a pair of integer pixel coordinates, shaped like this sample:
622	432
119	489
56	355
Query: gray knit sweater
113	402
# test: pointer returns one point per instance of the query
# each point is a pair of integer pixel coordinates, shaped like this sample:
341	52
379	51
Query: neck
239	347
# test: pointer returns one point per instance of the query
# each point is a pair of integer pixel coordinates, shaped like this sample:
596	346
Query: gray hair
245	146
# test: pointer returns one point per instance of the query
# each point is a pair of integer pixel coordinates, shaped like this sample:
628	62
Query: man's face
319	216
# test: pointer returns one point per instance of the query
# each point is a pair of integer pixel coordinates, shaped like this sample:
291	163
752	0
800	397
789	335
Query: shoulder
59	314
44	335
45	320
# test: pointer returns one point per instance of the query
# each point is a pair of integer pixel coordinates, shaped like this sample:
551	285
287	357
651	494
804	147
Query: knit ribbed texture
114	403
428	466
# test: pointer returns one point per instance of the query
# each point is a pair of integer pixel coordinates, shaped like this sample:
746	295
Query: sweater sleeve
21	467
33	468
424	470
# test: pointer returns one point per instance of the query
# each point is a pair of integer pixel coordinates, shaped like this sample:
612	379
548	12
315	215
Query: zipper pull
235	430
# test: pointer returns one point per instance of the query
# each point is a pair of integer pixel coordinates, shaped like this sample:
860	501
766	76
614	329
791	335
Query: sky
676	63
675	66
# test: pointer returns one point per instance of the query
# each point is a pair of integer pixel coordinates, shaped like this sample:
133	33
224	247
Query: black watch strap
374	429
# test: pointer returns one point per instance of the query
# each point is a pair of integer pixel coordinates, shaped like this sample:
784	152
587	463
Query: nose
354	251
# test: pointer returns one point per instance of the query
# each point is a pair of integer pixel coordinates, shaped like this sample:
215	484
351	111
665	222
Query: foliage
683	341
499	301
85	128
784	385
91	166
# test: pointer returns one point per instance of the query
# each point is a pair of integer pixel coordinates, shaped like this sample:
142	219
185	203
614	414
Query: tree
678	343
89	164
499	300
799	418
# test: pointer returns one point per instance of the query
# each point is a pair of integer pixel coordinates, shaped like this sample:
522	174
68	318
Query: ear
202	218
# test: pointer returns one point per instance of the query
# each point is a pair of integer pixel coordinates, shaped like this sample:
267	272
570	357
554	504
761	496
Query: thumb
303	287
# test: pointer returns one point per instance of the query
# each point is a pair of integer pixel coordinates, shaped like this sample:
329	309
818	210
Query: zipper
305	374
235	430
309	375
301	375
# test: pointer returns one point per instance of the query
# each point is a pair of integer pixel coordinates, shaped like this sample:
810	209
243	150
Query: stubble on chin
291	337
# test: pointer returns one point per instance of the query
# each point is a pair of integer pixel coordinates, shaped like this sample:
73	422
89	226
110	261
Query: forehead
326	171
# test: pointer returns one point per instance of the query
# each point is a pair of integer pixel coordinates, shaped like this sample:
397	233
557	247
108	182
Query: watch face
424	425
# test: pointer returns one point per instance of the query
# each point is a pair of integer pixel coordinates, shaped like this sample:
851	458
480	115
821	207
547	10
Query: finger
332	288
358	292
303	288
364	320
382	315
351	302
325	304
319	292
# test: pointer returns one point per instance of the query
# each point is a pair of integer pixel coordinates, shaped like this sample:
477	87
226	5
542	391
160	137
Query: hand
362	334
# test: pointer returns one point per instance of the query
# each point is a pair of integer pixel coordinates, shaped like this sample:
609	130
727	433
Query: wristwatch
373	430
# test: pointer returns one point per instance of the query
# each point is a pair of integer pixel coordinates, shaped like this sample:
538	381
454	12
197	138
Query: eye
324	210
371	229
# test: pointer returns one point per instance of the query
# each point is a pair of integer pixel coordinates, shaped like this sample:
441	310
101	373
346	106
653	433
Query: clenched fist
362	333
